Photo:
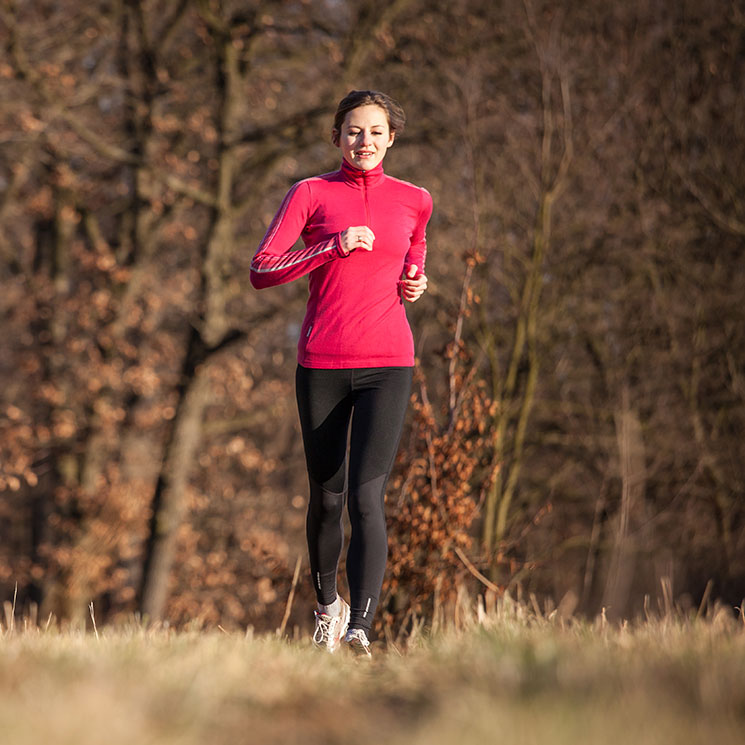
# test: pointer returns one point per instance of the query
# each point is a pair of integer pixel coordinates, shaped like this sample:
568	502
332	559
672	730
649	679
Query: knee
367	505
325	504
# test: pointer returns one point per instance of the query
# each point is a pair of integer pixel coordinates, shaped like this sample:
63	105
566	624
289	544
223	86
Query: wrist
341	251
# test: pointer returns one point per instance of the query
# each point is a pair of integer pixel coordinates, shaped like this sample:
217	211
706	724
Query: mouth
364	154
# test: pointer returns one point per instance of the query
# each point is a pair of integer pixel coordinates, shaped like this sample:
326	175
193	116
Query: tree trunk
632	471
170	498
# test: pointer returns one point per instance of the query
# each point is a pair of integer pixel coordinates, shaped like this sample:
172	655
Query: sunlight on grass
514	678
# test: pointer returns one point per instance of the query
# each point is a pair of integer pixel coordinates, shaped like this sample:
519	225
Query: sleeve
275	262
417	253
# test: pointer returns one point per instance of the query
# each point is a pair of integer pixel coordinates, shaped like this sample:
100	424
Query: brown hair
355	99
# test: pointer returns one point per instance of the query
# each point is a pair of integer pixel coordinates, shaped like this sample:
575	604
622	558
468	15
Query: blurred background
576	430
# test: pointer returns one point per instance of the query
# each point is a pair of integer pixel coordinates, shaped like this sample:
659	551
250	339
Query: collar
357	176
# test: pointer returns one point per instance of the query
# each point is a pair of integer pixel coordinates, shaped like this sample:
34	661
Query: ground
512	678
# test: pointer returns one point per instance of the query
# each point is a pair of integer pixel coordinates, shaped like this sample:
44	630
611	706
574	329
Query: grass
515	678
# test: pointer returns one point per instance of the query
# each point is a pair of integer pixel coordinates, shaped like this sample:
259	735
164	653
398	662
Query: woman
364	236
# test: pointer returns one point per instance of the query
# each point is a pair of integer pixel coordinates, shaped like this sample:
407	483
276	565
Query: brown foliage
442	476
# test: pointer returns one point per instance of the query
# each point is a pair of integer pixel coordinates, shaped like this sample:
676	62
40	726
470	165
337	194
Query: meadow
514	676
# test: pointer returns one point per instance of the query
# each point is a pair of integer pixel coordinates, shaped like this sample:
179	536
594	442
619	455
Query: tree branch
730	224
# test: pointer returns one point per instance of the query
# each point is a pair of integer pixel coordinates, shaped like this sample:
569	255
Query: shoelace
358	635
325	625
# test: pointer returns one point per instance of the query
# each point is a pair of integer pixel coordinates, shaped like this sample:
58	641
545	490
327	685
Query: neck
359	176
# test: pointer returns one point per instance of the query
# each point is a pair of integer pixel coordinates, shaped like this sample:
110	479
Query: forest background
576	430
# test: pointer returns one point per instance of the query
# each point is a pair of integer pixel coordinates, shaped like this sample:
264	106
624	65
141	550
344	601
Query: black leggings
375	400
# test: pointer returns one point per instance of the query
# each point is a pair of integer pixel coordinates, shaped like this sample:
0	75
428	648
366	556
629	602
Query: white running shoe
358	642
330	630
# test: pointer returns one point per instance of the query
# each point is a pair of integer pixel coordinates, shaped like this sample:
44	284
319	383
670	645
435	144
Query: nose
366	137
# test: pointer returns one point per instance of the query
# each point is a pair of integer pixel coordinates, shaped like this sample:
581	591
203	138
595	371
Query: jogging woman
365	248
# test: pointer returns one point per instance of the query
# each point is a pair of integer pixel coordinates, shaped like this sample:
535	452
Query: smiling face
365	136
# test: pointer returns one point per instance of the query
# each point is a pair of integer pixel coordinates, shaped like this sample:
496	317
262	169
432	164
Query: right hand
357	237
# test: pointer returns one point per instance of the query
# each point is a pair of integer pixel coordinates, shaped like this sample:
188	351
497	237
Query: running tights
353	465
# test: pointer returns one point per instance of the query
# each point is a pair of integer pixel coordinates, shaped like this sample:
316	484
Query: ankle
334	609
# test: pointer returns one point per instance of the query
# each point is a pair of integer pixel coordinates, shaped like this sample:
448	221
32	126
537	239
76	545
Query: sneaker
330	630
358	642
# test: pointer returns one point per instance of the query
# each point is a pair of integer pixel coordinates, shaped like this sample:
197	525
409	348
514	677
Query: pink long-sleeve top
355	316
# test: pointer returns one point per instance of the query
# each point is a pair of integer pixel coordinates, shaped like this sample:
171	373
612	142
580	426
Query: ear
335	135
390	141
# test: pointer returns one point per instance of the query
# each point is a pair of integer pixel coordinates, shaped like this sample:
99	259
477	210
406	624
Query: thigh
380	402
324	406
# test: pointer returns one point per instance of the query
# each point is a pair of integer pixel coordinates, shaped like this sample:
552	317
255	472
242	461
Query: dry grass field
515	677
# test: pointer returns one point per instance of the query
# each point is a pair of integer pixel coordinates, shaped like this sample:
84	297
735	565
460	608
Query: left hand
413	285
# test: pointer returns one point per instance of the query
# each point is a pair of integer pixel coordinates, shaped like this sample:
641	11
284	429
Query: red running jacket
355	315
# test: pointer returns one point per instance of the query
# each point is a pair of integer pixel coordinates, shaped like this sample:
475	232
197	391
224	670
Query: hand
413	285
357	237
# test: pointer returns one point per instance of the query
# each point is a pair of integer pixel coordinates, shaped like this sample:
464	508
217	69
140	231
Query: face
365	136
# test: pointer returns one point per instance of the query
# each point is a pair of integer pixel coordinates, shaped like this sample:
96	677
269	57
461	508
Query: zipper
366	200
